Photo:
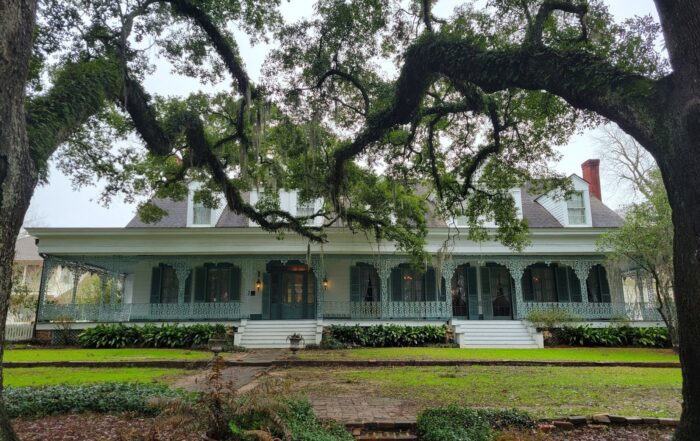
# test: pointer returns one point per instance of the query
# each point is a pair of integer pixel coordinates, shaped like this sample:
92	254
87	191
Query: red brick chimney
591	173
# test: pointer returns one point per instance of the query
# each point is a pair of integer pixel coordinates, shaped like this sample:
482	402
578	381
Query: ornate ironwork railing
135	312
387	310
597	311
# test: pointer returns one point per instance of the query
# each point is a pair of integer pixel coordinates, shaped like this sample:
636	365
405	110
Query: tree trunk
682	176
18	174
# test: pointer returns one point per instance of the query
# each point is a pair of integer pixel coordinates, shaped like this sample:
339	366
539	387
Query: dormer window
306	209
576	208
201	215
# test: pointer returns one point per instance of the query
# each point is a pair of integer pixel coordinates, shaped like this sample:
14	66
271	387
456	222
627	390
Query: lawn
45	376
131	354
543	391
549	354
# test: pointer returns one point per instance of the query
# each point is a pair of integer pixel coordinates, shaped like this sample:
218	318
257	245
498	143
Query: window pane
543	285
168	285
576	209
201	215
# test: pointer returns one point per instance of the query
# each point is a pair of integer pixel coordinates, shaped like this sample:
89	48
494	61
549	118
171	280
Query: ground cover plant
44	376
165	336
453	423
104	397
383	336
542	391
547	354
126	354
584	335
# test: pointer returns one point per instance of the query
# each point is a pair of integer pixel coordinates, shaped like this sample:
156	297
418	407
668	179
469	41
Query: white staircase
273	333
495	334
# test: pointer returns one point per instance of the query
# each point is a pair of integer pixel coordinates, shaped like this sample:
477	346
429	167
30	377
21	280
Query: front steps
494	334
259	334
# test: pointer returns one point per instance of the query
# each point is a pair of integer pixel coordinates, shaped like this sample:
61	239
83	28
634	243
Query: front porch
107	289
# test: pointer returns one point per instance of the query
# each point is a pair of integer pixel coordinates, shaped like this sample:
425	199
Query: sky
58	204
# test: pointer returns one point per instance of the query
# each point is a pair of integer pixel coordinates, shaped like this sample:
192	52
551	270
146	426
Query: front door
292	292
500	294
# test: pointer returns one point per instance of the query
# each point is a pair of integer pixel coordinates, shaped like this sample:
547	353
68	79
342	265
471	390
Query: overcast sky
59	205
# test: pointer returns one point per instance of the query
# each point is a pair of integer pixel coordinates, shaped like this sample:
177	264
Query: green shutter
355	284
396	291
430	285
155	284
188	288
235	284
472	293
574	286
200	284
604	285
562	284
266	297
526	281
486	296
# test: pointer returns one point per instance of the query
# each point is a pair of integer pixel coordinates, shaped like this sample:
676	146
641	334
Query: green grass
553	354
131	354
45	376
543	391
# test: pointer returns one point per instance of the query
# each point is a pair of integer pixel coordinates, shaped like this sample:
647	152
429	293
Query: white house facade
203	265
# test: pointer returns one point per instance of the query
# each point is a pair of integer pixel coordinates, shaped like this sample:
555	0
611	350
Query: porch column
76	280
103	288
582	268
516	268
320	273
182	270
384	272
247	270
448	270
46	270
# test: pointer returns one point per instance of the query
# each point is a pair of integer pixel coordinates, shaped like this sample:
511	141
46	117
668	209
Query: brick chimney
591	174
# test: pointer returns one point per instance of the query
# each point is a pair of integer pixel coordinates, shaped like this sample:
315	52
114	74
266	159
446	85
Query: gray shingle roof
26	250
536	215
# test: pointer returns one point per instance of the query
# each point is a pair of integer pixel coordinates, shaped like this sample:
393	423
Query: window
577	209
217	283
364	283
409	285
305	209
165	285
553	283
597	285
201	215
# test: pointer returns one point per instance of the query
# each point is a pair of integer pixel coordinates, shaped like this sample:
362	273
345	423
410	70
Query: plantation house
211	265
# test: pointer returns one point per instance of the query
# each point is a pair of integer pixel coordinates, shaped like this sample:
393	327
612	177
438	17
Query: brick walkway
364	409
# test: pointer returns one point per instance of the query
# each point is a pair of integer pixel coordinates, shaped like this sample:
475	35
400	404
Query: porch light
325	283
258	283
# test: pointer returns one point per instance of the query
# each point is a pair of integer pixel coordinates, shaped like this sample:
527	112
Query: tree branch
349	78
534	35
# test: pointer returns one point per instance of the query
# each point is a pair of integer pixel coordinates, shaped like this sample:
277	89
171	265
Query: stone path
363	410
240	377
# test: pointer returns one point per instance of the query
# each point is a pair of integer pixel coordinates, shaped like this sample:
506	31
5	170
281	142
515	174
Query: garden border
284	363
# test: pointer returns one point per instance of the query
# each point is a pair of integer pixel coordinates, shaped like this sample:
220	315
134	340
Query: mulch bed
95	427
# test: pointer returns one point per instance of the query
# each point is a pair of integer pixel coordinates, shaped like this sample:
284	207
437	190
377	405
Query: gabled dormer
291	203
199	216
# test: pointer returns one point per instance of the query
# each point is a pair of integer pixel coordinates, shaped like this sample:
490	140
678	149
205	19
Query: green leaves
149	336
383	336
613	336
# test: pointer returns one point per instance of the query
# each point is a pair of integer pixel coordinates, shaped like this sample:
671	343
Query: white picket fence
18	331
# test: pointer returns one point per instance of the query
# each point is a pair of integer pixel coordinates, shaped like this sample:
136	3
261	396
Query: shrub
151	336
384	335
455	423
550	318
304	426
584	335
100	397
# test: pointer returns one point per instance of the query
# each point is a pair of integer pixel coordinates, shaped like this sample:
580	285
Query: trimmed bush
383	336
550	318
613	336
149	336
455	423
101	397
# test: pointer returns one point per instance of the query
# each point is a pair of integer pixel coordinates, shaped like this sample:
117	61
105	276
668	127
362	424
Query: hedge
453	423
149	336
100	397
584	335
383	335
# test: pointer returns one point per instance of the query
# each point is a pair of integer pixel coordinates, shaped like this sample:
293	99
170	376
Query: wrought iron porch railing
597	311
134	312
386	310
